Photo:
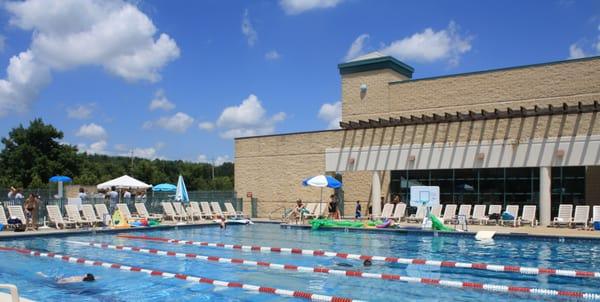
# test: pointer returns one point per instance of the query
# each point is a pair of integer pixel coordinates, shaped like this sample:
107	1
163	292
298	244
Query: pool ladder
14	293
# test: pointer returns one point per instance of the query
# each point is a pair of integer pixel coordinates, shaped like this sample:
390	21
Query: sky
180	79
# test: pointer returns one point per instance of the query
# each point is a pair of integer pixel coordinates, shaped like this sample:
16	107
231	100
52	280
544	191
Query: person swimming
73	279
367	262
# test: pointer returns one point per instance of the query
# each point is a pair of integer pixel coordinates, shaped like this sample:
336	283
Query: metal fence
152	200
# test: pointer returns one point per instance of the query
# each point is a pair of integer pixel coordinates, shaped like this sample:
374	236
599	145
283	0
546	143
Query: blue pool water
115	285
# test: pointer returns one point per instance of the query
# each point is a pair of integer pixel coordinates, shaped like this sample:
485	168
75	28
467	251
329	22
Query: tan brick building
519	135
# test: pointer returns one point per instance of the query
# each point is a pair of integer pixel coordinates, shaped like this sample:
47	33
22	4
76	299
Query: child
357	215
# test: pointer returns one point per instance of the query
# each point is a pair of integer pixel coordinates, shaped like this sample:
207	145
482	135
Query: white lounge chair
529	215
399	212
216	208
231	211
206	210
179	210
169	212
387	211
197	211
17	211
3	219
449	212
436	210
89	214
465	211
479	214
595	214
125	213
419	216
582	216
140	207
514	211
565	215
311	210
74	216
56	217
494	209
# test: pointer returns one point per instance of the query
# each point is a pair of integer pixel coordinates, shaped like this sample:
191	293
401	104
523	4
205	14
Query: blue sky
179	79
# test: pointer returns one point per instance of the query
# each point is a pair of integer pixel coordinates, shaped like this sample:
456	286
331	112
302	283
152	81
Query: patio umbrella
181	192
164	188
60	179
322	181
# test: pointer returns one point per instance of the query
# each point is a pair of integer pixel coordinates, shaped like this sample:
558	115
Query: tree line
33	154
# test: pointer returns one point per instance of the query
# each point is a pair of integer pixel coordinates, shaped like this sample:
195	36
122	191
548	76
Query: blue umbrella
164	188
322	181
60	178
181	192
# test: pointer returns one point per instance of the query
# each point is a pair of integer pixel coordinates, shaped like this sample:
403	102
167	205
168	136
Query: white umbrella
124	181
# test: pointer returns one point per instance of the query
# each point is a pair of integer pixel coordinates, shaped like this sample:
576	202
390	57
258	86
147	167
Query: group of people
333	207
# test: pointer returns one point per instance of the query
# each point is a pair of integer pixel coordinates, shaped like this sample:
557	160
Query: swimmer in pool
74	279
367	262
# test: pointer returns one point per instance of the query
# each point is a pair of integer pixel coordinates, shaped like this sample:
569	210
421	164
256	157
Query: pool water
116	285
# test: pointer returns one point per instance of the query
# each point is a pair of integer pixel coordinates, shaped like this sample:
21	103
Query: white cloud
222	159
430	46
248	30
247	119
219	160
160	101
272	55
98	147
178	122
67	34
91	131
208	126
202	158
80	112
294	7
332	114
356	49
575	52
149	153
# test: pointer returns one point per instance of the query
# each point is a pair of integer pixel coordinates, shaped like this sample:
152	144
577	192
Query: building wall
272	167
569	81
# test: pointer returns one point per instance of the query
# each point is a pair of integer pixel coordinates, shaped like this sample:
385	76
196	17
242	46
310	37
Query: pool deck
537	232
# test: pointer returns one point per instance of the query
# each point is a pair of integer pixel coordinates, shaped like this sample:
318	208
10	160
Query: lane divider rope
189	278
345	273
438	263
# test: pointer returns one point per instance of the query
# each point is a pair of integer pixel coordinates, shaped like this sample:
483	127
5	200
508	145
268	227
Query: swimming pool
117	285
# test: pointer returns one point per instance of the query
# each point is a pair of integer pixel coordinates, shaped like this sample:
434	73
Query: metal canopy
473	116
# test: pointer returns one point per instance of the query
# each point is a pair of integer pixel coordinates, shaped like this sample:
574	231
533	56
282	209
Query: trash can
597	225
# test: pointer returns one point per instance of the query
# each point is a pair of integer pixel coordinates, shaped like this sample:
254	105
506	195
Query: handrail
14	291
277	209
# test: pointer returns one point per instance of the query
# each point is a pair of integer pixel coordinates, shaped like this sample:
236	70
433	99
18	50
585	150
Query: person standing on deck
31	206
113	197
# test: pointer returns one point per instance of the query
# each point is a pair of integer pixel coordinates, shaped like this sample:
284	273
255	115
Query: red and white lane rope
189	278
345	273
439	263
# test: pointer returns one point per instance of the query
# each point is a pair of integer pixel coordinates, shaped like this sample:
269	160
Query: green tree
36	151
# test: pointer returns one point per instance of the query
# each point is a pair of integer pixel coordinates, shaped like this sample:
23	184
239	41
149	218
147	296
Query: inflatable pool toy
437	225
319	223
118	221
239	221
386	224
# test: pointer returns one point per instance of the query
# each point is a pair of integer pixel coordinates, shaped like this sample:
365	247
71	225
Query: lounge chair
321	210
399	212
494	209
513	210
140	207
205	206
529	215
89	214
56	217
582	216
479	214
3	219
310	210
449	212
231	211
419	216
125	213
102	211
387	211
216	208
179	210
169	212
565	215
74	216
465	211
595	214
17	211
436	210
197	211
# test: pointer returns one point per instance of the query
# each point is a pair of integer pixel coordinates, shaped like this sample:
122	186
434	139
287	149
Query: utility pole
212	164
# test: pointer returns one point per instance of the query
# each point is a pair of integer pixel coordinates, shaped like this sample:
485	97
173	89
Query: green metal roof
376	64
